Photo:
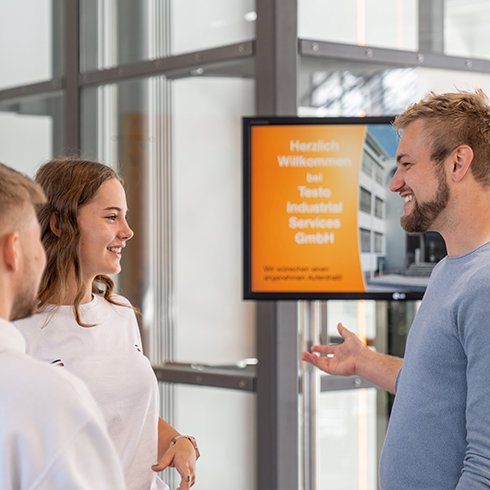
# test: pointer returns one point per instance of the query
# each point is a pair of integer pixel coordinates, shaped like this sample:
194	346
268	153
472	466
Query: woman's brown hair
68	184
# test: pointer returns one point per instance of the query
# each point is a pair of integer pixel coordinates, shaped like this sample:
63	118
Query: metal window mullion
43	88
168	64
309	320
159	324
390	57
276	63
72	64
431	25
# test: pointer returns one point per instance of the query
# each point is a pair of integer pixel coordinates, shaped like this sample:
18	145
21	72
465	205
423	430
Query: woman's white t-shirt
108	357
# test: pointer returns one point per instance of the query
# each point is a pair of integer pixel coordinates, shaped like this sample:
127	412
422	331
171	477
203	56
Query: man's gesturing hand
341	358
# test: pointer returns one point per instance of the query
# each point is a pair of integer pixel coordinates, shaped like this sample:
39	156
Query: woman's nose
126	232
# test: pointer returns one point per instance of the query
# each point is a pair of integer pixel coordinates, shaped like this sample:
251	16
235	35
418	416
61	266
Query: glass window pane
377	23
224	426
466	30
120	32
367	164
378	242
128	124
213	324
202	25
378	173
365	240
121	126
101	111
378	207
344	88
31	131
365	201
353	315
441	81
30	35
352	426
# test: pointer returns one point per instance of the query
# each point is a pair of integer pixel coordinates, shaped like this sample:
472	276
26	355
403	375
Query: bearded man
439	431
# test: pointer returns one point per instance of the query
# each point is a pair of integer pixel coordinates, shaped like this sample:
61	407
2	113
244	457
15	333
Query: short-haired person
52	434
86	329
439	431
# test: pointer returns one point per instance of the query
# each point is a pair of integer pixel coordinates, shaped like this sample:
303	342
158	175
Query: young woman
82	326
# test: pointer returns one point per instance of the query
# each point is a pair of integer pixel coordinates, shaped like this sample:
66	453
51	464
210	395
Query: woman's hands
181	455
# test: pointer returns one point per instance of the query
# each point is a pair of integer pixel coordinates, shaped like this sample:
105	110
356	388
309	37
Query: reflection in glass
30	33
31	131
346	89
378	23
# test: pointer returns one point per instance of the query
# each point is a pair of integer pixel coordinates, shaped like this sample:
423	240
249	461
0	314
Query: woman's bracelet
191	439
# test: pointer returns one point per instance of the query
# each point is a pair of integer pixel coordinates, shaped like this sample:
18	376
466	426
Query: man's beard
24	306
423	215
25	301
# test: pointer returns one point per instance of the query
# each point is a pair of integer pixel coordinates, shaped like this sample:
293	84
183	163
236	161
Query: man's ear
53	224
10	250
462	157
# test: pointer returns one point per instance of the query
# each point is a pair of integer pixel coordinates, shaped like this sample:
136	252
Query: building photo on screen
319	218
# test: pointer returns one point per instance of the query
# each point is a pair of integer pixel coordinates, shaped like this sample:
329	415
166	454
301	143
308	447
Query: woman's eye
112	217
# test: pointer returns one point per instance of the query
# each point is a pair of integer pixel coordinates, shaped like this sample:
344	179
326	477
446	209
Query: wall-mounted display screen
319	219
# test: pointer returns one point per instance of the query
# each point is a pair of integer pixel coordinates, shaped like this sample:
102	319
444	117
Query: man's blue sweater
439	431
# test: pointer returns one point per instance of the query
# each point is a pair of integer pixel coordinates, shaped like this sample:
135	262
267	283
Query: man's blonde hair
17	192
453	119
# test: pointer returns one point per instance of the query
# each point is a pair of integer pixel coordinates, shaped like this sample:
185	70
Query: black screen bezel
248	294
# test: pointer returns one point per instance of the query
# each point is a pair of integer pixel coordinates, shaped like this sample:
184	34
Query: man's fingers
343	331
324	349
306	356
311	358
319	362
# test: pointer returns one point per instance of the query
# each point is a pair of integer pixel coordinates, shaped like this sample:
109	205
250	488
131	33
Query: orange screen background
279	263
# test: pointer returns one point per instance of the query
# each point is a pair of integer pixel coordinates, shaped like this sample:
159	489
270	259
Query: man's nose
397	182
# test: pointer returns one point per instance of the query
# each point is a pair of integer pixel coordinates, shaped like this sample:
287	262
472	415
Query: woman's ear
53	224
